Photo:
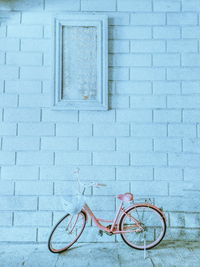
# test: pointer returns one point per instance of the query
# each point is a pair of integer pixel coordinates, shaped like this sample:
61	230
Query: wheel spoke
152	223
66	232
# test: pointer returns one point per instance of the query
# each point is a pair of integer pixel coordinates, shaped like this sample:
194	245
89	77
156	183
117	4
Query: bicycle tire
155	242
51	245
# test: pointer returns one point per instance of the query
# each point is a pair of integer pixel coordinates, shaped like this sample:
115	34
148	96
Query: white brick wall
148	142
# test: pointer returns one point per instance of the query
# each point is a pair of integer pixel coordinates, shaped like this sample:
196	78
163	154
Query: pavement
167	254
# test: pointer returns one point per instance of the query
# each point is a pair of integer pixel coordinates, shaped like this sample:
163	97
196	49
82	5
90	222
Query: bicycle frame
115	223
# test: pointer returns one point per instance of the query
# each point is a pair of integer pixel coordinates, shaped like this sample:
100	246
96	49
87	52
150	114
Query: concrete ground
101	255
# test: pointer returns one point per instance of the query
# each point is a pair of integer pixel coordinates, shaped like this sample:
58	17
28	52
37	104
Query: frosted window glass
79	63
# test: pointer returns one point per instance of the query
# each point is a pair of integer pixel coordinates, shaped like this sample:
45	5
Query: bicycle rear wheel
66	232
152	222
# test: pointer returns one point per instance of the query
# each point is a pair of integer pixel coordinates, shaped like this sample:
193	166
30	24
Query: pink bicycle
141	225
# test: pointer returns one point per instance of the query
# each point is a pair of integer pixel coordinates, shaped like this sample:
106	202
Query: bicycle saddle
125	197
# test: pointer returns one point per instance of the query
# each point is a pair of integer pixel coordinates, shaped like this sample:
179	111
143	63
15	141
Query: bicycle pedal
100	232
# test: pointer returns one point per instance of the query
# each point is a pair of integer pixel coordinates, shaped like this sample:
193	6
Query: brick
86	173
181	19
24	59
134	144
68	188
27	87
180	159
6	218
118	74
34	158
73	158
25	31
36	45
192	220
179	188
96	144
148	159
166	60
191	87
2	58
8	72
69	5
118	18
58	143
14	234
134	173
183	74
1	114
134	115
36	100
191	174
36	17
135	88
182	46
152	130
111	129
191	145
148	101
10	44
7	129
7	158
33	188
2	31
192	5
96	5
177	219
10	17
167	115
134	5
191	60
21	115
50	203
129	60
20	143
118	102
147	46
182	130
150	188
110	158
168	174
139	74
170	32
18	203
183	101
191	32
47	59
6	188
32	218
130	32
166	5
97	116
112	189
73	129
167	145
35	73
36	129
7	100
191	116
55	116
118	46
22	5
151	18
19	173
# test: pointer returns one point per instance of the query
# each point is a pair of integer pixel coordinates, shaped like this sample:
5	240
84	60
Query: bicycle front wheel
66	232
152	231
